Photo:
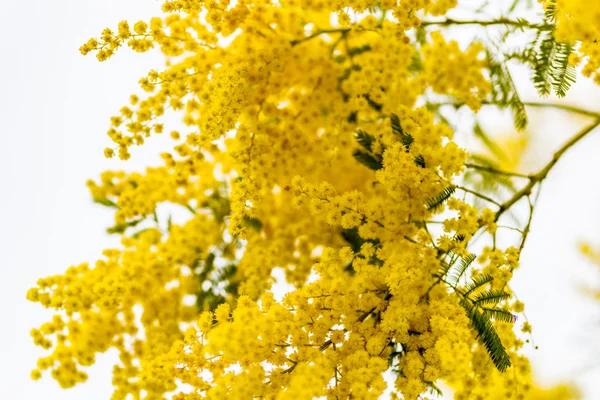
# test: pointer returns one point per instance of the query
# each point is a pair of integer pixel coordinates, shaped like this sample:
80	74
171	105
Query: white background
54	110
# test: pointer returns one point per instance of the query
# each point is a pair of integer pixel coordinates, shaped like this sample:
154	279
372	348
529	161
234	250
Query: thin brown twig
543	173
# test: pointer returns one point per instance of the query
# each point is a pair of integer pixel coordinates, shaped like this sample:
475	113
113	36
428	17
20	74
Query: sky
54	111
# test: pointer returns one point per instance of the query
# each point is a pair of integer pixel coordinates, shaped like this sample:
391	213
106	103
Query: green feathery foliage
364	139
444	267
420	161
551	68
368	160
486	181
106	202
563	73
352	237
253	223
208	300
478	282
499	314
459	237
504	91
550	11
545	47
120	228
226	273
416	63
218	203
459	269
355	241
355	51
434	389
396	126
482	309
209	265
491	297
437	201
406	138
488	142
486	333
367	157
222	281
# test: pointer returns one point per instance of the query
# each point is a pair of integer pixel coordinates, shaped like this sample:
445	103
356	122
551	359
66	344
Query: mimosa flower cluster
306	154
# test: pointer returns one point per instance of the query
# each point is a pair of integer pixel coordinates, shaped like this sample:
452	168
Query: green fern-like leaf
459	237
208	266
120	228
490	297
444	268
477	282
420	161
353	238
226	273
487	334
355	51
563	73
253	223
504	91
459	270
406	138
551	68
106	202
372	103
488	142
485	181
416	63
218	203
542	69
364	139
481	310
367	159
434	389
499	314
550	11
396	126
208	300
421	35
436	202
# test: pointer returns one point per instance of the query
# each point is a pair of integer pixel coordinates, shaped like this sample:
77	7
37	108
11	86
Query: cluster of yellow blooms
450	71
268	172
577	22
